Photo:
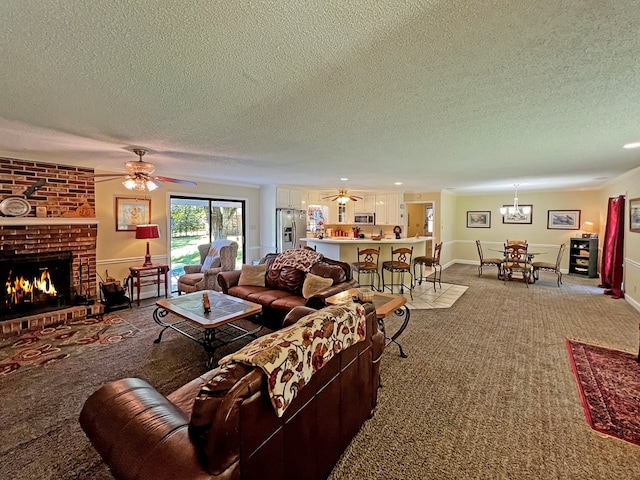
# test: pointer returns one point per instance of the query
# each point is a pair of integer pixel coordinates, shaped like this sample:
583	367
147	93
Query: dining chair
516	260
400	263
368	264
488	261
549	267
516	242
433	262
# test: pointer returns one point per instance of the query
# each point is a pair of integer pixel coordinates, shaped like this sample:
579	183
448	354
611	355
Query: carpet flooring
486	391
609	384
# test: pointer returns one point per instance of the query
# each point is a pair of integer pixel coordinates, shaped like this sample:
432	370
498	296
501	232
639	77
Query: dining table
530	257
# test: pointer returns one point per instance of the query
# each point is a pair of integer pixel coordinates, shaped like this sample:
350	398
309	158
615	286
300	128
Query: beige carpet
486	392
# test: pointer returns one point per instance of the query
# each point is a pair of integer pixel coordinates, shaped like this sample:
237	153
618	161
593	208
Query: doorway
194	221
420	219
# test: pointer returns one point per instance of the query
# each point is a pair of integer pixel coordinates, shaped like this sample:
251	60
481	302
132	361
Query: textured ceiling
460	94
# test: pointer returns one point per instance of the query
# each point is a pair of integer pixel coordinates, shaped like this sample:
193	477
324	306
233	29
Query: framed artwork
634	215
563	220
518	217
131	212
478	219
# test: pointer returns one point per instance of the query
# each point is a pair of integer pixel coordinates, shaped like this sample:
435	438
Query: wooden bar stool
434	262
368	264
400	263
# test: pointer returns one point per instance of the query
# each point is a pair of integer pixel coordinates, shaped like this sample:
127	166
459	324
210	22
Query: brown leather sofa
283	287
222	425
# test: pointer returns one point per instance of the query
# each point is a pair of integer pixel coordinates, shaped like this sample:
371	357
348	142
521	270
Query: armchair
218	256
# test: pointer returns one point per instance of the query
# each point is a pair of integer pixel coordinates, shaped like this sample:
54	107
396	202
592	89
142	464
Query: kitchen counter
328	240
346	248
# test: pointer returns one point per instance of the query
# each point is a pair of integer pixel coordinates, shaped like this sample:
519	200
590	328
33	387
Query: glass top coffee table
385	304
211	329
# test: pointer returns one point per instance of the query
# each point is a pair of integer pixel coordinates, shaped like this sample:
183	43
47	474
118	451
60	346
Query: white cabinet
368	204
393	209
288	198
347	215
314	198
387	209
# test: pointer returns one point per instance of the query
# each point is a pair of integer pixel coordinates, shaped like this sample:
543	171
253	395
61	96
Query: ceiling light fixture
515	210
632	145
140	184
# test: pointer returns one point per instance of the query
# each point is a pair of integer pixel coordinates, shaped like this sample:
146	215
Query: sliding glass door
195	221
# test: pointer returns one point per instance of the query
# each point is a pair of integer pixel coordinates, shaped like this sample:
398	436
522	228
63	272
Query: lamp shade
147	231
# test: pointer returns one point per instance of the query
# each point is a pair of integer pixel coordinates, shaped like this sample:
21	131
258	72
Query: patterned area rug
609	384
43	347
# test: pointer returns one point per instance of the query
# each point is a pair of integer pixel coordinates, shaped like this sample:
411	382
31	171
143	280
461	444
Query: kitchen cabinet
334	213
583	257
288	198
368	204
387	209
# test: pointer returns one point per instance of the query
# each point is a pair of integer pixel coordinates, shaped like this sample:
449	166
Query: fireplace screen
35	283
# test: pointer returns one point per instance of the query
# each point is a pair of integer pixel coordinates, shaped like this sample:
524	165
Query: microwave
364	218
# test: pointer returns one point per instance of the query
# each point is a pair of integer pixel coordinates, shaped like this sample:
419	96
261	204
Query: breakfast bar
346	248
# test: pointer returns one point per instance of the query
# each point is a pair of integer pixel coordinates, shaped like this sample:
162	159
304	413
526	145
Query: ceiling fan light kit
139	175
343	197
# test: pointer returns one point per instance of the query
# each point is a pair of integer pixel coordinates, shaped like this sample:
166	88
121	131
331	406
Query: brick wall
66	189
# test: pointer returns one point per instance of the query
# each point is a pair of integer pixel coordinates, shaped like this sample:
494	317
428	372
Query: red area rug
45	346
609	384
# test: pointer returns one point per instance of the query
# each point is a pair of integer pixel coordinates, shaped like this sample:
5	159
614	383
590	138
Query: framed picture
634	215
131	212
478	219
563	220
518	217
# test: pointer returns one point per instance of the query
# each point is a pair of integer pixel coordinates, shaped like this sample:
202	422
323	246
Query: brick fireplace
66	189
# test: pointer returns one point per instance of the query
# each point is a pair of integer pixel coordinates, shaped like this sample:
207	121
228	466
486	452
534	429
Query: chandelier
515	210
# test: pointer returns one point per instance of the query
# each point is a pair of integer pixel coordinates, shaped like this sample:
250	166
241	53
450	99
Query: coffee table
385	304
210	329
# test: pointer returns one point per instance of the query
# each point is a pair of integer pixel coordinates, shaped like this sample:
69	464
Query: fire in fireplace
35	283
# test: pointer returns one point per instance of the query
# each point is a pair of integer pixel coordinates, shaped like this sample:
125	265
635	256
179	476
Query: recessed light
344	179
632	145
398	183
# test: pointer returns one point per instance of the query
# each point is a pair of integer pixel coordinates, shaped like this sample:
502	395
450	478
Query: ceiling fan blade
175	180
114	175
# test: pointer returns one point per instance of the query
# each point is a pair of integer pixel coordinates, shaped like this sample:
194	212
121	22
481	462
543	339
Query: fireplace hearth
35	283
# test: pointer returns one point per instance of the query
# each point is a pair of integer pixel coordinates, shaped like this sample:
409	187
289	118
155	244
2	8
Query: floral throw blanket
300	258
290	357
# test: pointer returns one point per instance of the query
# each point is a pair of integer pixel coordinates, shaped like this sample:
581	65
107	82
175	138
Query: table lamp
145	232
587	229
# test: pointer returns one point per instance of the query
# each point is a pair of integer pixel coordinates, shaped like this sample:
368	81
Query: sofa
215	257
282	288
222	425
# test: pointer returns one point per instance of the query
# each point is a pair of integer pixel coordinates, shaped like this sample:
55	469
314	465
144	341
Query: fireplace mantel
20	221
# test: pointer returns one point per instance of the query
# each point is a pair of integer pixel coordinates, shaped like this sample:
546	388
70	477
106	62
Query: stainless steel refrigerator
291	226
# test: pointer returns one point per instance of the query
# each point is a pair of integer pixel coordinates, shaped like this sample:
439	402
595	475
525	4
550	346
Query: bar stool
433	262
400	263
368	264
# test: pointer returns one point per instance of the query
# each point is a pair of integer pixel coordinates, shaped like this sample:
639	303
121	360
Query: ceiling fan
140	176
343	197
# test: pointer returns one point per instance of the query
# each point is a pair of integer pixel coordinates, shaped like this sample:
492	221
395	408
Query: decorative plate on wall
14	207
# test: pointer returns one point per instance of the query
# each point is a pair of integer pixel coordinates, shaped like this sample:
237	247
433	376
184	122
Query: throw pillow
210	261
314	284
252	275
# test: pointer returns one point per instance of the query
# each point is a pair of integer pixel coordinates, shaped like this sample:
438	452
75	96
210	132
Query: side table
149	275
385	304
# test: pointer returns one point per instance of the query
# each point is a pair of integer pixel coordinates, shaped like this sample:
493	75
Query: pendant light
515	209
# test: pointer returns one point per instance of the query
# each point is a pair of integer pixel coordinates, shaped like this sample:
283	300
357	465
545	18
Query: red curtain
612	249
